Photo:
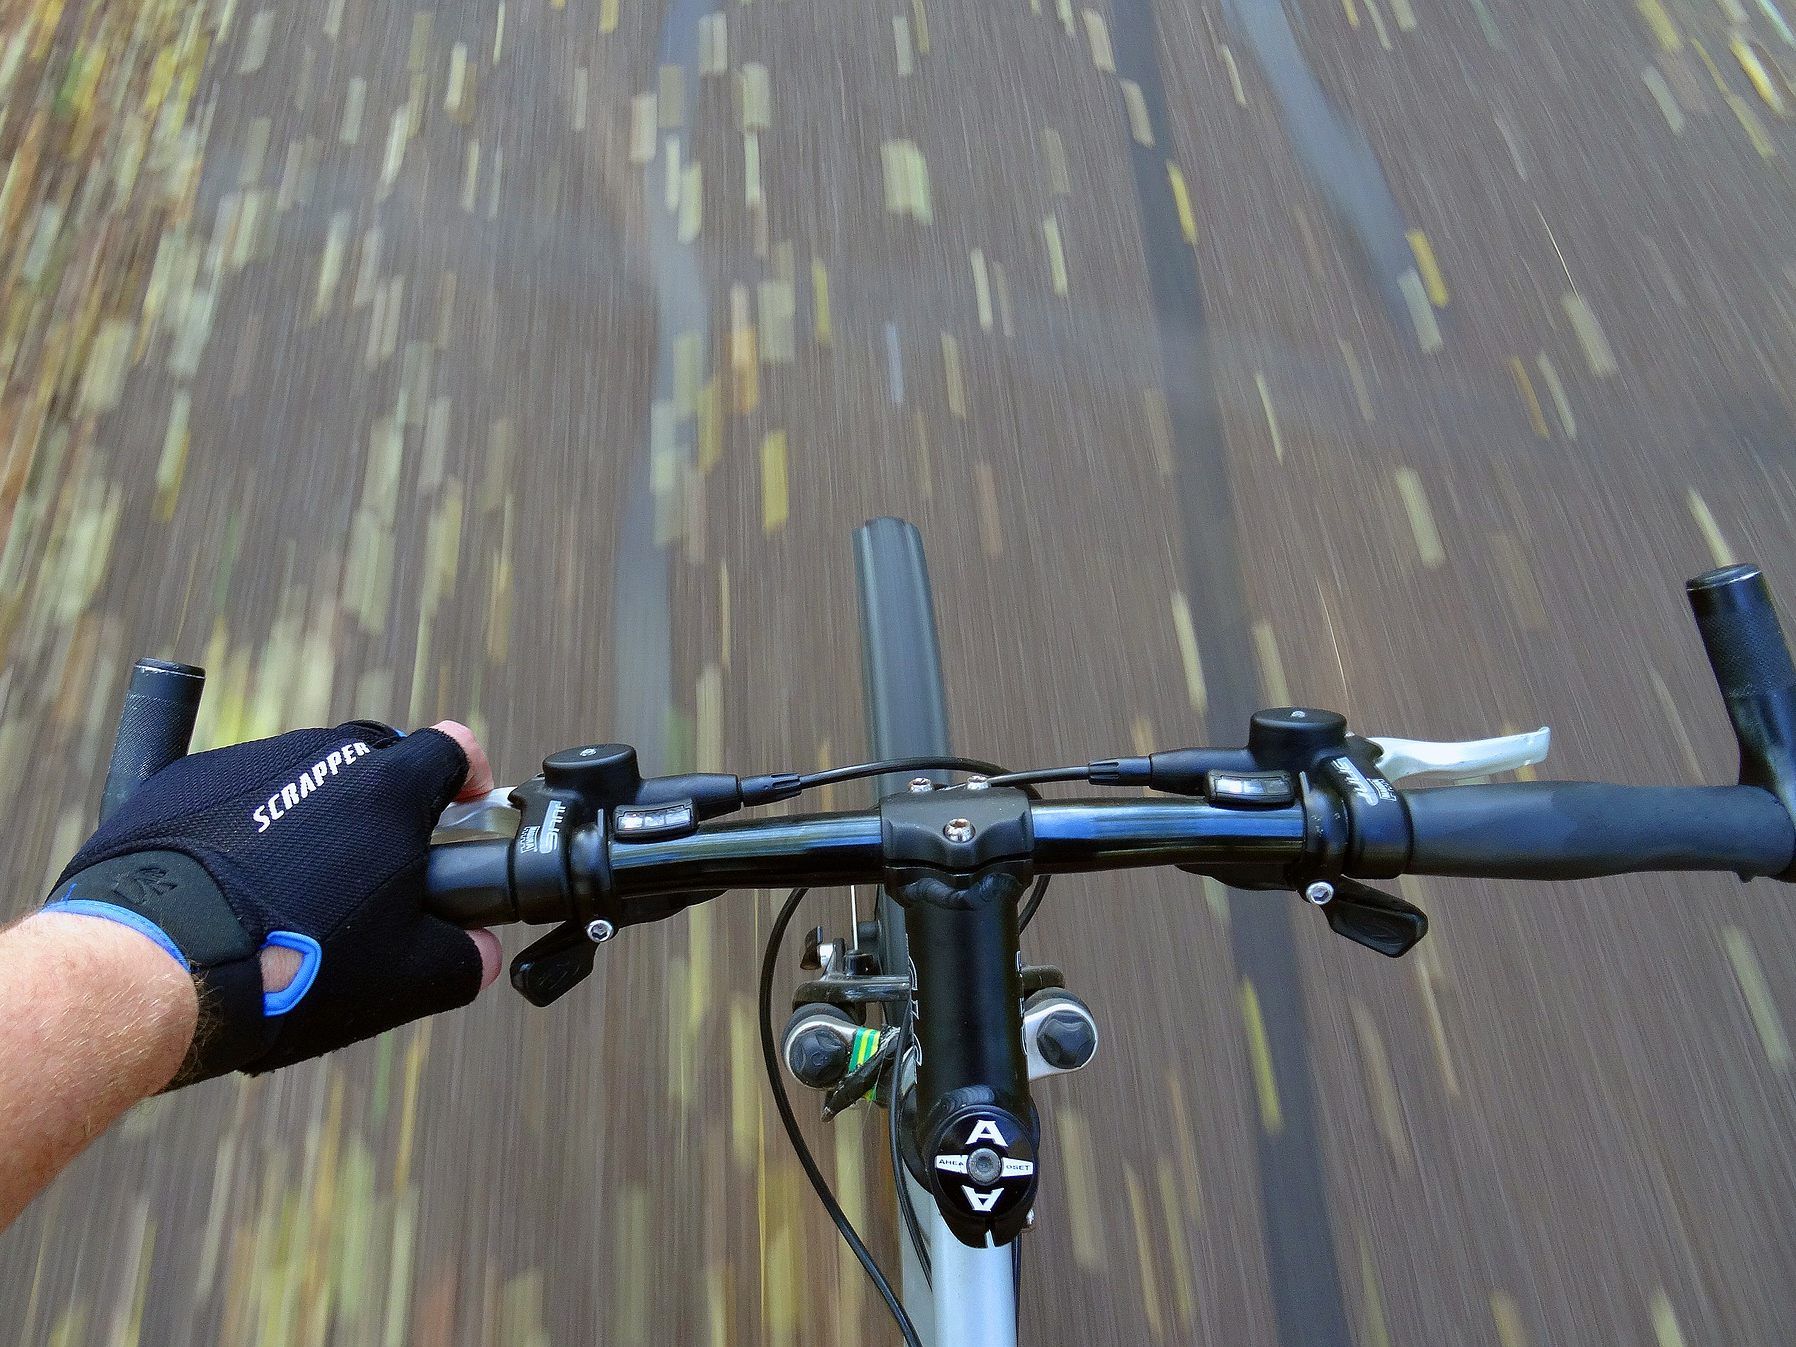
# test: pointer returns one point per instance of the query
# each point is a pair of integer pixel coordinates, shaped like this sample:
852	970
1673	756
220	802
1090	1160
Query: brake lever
490	813
1401	758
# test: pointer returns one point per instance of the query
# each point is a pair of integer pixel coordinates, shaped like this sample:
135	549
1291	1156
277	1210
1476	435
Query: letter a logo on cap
987	1130
979	1201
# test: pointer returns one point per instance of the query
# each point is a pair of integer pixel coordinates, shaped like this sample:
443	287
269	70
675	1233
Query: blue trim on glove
85	907
311	956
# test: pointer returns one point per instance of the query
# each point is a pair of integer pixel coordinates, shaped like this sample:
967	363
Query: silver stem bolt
978	783
1320	892
920	785
985	1165
599	930
958	830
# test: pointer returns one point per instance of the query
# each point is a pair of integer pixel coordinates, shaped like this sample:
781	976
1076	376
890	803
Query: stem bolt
958	830
599	931
920	785
985	1166
1320	892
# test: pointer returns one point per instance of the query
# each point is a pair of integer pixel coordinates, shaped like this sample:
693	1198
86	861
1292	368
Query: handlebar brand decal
281	803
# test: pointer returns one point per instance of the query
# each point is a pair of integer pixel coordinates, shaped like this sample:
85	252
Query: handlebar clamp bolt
599	930
958	830
1320	892
978	783
921	785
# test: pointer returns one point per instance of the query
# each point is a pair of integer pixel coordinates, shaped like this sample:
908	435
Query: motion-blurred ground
530	361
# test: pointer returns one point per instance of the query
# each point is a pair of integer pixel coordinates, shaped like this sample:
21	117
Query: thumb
480	771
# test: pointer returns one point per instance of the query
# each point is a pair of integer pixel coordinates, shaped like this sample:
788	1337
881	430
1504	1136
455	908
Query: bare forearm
93	1018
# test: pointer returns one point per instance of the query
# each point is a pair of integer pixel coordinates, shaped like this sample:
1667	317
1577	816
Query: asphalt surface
532	362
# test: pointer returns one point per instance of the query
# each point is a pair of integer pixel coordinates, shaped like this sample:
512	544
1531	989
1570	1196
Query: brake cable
770	1059
1080	773
901	1171
938	762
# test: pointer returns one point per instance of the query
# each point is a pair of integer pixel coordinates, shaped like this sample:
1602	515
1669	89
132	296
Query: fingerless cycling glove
315	840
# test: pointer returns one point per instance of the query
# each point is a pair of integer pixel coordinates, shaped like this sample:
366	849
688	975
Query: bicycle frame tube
974	1291
915	1292
972	1299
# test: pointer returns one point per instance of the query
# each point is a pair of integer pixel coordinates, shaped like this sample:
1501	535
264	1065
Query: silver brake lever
1400	758
490	813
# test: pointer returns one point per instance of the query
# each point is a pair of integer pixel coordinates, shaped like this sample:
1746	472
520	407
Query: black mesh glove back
315	840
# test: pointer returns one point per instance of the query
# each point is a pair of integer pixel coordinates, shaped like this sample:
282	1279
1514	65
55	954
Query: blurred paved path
532	362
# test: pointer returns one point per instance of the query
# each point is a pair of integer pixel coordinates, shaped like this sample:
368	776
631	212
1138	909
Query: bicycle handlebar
1560	830
468	881
1532	830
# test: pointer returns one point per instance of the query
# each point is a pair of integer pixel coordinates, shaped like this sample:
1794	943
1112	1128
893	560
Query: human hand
287	875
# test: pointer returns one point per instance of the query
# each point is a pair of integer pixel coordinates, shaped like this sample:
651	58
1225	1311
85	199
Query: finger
491	956
480	771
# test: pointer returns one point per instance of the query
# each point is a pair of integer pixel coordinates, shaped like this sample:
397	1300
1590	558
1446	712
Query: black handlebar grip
1751	660
1580	829
469	883
154	727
